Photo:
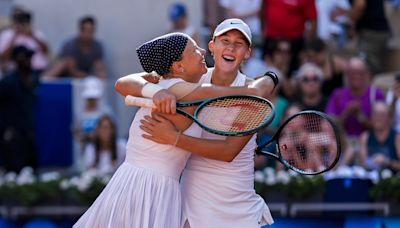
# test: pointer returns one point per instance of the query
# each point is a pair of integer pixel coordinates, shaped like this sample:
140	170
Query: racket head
308	143
234	115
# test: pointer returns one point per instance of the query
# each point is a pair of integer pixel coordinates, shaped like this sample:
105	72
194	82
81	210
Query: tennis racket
234	115
307	142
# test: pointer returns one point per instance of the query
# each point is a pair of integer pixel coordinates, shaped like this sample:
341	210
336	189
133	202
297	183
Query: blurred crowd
326	53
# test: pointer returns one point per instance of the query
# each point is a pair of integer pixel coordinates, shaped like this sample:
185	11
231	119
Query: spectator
93	109
288	19
331	65
380	147
213	14
106	152
278	59
332	20
352	104
392	99
17	105
248	11
80	56
309	81
369	19
179	19
22	33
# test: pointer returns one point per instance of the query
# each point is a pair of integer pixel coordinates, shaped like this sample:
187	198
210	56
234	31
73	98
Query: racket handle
139	101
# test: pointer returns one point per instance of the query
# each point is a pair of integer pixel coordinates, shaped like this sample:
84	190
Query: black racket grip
273	76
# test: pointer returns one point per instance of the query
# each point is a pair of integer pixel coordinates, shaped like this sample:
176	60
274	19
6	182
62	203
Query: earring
182	70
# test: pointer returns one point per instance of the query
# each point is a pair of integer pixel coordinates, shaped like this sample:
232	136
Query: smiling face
310	82
357	74
229	50
192	65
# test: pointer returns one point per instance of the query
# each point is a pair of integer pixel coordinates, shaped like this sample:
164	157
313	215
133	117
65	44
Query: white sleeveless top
221	194
161	158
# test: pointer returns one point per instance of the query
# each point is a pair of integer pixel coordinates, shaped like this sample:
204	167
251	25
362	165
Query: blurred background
63	128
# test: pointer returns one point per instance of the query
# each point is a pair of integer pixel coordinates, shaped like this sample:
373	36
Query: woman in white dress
144	191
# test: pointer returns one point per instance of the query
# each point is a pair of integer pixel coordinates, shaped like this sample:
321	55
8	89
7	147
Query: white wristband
149	89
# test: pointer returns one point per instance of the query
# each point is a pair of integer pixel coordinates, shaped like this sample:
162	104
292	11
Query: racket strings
309	143
235	114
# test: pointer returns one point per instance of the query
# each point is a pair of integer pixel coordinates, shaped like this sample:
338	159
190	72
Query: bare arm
133	84
261	87
165	100
357	10
73	70
163	131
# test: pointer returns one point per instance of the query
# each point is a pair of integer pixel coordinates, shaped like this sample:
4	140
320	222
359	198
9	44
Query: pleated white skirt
136	198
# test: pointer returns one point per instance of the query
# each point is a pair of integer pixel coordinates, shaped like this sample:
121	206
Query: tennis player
144	192
217	183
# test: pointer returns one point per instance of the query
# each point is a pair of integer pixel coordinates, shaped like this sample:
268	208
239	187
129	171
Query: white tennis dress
144	192
221	194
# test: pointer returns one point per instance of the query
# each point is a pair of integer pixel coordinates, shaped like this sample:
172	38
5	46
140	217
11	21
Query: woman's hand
165	102
160	129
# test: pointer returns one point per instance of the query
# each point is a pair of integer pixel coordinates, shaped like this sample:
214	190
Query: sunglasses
310	79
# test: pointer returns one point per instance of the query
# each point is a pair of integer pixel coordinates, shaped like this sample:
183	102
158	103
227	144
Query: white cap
92	87
233	23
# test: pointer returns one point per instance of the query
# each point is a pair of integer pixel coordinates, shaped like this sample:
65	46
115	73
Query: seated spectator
331	65
93	109
80	56
380	146
179	19
106	152
309	81
278	58
295	21
17	107
392	99
22	33
352	104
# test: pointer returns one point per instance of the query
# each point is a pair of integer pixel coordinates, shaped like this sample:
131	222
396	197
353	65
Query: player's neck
221	78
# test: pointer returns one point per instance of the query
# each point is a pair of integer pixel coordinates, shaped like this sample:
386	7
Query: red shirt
286	18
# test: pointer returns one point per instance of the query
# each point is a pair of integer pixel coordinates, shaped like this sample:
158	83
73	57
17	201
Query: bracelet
273	76
149	89
177	138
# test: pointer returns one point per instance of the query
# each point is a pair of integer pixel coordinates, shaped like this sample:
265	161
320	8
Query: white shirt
243	7
326	26
221	194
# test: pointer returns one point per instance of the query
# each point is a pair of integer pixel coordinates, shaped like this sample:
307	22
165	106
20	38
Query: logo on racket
235	115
